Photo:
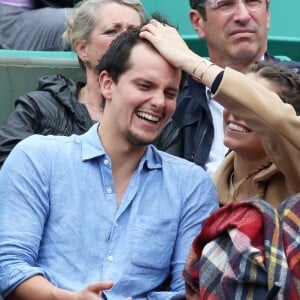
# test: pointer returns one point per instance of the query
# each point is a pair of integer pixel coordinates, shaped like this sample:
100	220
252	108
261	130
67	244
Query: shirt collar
152	159
91	144
92	147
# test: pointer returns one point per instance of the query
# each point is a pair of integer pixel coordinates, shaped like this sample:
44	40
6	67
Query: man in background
236	35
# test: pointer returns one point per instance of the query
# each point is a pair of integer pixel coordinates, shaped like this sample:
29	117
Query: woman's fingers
167	41
97	287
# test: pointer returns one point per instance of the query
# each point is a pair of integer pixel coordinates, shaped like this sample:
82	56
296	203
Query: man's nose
241	11
158	99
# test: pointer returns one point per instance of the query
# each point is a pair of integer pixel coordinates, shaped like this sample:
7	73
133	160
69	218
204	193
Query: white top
218	149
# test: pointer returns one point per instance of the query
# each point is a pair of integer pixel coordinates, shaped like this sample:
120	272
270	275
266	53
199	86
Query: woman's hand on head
170	44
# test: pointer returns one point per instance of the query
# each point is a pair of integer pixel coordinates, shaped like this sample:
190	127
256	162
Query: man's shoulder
39	150
185	174
60	143
37	142
178	163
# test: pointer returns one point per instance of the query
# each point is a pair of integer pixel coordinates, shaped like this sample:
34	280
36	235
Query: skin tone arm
169	43
37	288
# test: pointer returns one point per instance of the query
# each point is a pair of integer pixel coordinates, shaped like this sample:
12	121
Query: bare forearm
39	288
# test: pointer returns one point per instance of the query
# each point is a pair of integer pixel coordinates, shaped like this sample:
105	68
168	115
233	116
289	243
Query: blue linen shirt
59	217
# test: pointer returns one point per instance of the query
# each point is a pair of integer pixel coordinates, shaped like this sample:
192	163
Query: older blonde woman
61	106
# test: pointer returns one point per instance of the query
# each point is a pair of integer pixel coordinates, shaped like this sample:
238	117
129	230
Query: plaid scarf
247	250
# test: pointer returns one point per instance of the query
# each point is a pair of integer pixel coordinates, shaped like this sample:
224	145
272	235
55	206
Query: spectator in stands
260	121
261	125
236	36
33	24
104	205
264	145
61	106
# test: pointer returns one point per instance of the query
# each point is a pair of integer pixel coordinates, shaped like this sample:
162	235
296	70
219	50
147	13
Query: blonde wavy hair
82	20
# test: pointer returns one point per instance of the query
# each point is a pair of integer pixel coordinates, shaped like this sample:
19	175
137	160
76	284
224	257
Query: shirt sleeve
23	212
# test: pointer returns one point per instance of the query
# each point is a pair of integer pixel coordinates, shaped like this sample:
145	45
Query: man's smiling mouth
148	117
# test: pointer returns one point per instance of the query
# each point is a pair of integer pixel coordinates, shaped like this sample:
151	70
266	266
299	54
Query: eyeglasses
229	6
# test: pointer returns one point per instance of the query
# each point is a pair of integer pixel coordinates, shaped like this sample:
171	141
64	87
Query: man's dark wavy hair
116	60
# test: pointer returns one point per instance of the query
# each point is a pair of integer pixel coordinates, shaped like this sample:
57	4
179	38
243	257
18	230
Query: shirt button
106	162
110	258
109	190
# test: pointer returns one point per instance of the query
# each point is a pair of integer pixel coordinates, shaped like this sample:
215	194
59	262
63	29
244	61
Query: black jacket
51	109
190	132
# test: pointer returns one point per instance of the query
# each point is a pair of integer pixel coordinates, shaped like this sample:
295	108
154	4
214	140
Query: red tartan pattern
247	250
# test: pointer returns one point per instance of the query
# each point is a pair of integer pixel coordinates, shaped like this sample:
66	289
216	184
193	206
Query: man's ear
197	22
105	82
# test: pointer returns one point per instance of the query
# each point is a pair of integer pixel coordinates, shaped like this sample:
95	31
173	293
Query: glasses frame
214	5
